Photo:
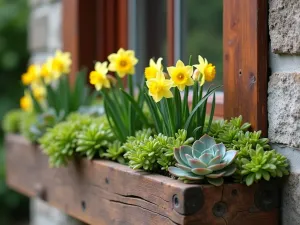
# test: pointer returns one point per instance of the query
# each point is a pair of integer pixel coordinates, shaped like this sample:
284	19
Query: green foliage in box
255	159
256	164
115	152
205	160
80	134
11	121
153	153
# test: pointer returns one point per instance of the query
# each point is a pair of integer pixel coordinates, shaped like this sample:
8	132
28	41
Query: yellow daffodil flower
32	74
39	92
46	71
153	68
98	77
122	62
61	63
207	70
26	103
181	75
159	87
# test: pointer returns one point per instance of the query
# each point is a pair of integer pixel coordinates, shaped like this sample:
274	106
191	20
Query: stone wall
284	97
44	30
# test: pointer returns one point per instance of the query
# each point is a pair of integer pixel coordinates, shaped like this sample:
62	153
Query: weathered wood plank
104	192
245	43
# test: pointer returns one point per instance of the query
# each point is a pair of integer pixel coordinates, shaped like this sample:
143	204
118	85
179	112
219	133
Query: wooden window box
104	192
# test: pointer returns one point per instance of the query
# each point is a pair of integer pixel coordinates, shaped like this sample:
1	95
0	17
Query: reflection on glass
149	33
204	33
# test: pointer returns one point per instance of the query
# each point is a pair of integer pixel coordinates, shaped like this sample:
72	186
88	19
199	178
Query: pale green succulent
93	139
11	121
255	165
204	160
153	153
114	152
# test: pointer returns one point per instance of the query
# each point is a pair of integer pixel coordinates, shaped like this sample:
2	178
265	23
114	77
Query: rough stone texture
284	26
45	27
284	108
35	3
290	208
43	214
38	33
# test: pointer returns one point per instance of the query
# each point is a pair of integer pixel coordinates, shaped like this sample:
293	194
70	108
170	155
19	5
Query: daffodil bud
196	75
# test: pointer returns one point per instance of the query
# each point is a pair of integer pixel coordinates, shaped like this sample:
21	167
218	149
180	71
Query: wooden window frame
245	48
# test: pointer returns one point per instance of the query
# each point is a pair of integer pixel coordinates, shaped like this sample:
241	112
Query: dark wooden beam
107	193
245	45
111	27
170	32
79	34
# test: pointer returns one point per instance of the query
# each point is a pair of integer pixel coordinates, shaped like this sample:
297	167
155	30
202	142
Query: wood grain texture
245	43
79	33
111	27
170	32
107	193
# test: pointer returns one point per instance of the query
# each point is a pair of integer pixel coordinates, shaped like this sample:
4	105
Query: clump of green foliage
153	153
228	131
26	124
255	159
257	164
44	121
11	121
18	121
59	143
93	139
114	152
78	134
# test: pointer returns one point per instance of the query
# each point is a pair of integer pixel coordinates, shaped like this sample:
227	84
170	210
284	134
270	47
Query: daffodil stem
120	82
200	113
185	105
121	86
194	103
177	103
171	114
195	94
130	85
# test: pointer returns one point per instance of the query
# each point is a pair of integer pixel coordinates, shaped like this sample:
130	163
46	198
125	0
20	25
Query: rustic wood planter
102	192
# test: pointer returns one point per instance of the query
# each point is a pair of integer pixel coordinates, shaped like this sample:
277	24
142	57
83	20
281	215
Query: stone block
284	108
43	214
38	33
45	28
290	208
55	26
284	26
37	3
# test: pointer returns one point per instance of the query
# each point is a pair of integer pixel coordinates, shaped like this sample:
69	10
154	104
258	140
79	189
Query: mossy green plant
254	165
153	153
26	126
11	121
19	121
255	160
59	143
93	139
114	152
80	134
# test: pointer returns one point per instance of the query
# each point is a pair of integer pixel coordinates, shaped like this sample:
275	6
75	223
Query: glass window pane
204	33
147	32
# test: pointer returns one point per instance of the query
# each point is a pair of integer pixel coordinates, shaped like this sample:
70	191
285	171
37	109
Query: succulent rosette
205	160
